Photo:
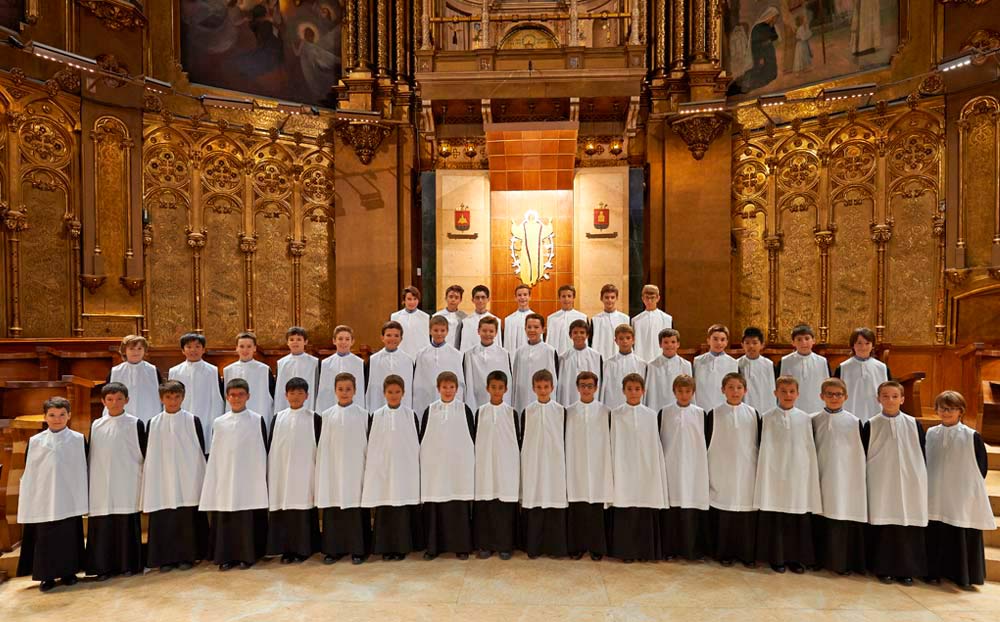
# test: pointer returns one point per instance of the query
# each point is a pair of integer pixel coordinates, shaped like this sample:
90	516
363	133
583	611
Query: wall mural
288	49
778	45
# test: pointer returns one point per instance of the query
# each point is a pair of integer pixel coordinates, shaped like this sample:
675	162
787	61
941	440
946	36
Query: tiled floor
494	590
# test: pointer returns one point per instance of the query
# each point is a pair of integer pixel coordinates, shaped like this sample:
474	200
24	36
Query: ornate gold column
350	36
147	242
401	50
196	240
698	18
939	315
714	32
677	33
248	246
296	248
773	245
15	221
383	38
824	239
364	40
73	229
881	234
425	25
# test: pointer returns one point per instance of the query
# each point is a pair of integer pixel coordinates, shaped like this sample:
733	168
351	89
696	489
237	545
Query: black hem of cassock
52	550
956	554
635	534
293	532
896	551
684	532
784	538
732	535
398	529
586	528
543	531
840	544
494	525
239	536
346	531
449	527
114	544
177	536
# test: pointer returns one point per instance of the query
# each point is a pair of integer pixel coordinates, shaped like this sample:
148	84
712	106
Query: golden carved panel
852	266
169	281
750	274
45	264
112	224
912	259
223	274
798	273
273	275
318	277
978	162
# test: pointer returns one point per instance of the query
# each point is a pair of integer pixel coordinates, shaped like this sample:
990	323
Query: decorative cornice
364	136
958	276
980	41
969	2
699	130
92	282
116	14
14	220
881	234
132	284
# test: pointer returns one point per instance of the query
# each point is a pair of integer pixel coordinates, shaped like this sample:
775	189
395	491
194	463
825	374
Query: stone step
993	490
992	563
992	538
993	457
8	562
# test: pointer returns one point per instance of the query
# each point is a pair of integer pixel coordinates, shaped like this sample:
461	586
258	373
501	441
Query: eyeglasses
834	394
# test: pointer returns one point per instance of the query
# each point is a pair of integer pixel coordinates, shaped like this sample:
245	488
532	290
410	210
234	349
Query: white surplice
477	364
647	326
388	363
588	453
236	474
335	364
543	456
660	374
202	397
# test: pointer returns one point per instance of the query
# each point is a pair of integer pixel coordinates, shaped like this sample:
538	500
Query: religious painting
778	45
286	49
11	13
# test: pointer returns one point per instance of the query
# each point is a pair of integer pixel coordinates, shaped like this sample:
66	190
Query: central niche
529	37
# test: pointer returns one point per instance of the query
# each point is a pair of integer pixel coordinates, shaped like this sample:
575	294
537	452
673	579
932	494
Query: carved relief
979	188
116	14
698	131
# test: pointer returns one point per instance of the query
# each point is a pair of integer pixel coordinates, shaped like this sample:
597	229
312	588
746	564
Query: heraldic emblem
532	247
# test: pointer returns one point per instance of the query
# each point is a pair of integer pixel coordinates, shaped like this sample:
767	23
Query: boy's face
172	401
786	393
684	395
56	418
533	329
296	344
610	301
296	397
193	351
447	390
891	399
487	334
670	346
245	348
718	341
587	388
542	389
393	395
497	390
734	391
439	333
343	340
833	397
410	301
391	338
579	338
452	300
345	392
237	399
624	341
949	416
863	348
650	300
135	352
523	297
633	393
115	403
752	346
481	301
803	344
566	299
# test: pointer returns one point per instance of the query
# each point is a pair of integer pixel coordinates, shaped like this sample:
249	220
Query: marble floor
488	590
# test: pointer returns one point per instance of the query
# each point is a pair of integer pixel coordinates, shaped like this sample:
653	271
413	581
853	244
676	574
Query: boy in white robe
454	315
340	475
482	360
53	500
514	335
140	377
787	492
640	476
498	472
958	505
897	490
758	370
435	358
809	368
840	454
649	323
558	323
684	524
116	452
172	479
603	325
234	494
389	361
662	370
296	364
293	522
711	367
862	373
533	356
623	363
447	471
470	325
589	482
343	361
258	375
578	358
543	471
414	322
202	384
392	475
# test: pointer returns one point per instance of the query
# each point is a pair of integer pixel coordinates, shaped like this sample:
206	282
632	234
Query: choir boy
623	363
140	377
662	370
787	492
578	358
589	483
711	367
454	315
559	322
732	432
862	373
293	522
389	361
117	449
603	325
340	475
498	472
235	491
172	479
202	384
897	490
514	335
296	364
840	530
435	358
757	369
447	470
649	323
258	375
543	470
414	322
53	500
682	433
958	506
480	361
392	475
343	361
809	368
533	356
470	325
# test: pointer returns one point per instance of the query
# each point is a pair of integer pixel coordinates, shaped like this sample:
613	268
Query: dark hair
438	320
489	319
887	384
297	330
634	377
542	375
447	376
752	332
949	399
236	384
804	329
496	374
521	286
587	375
247	335
114	387
734	375
668	332
296	383
345	377
566	288
411	290
480	288
172	386
455	288
535	316
780	380
718	328
187	338
390	325
393	379
609	287
862	331
683	380
55	402
579	324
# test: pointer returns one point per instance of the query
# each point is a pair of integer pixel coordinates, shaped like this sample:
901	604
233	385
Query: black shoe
797	568
530	556
627	561
399	557
576	555
844	573
128	573
167	567
300	558
933	580
484	554
70	580
329	559
226	566
505	555
47	586
726	562
245	565
357	560
287	559
750	565
907	581
388	558
596	557
779	568
185	566
101	578
885	578
429	556
668	558
462	556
